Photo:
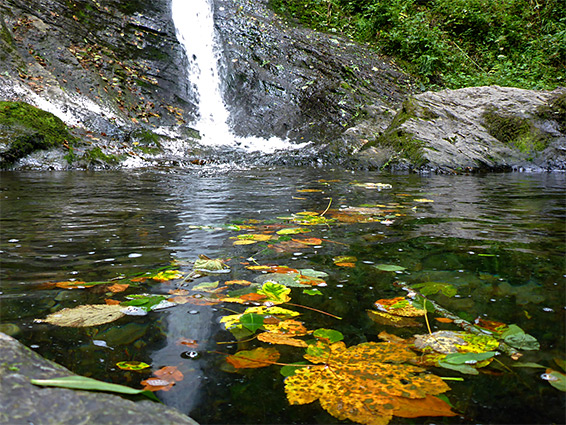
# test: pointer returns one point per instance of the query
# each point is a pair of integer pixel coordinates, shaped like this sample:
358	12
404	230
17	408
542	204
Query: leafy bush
454	43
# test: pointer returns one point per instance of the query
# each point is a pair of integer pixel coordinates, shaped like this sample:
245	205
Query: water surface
499	239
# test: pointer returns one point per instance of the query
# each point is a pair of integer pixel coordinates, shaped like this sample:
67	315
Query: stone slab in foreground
25	403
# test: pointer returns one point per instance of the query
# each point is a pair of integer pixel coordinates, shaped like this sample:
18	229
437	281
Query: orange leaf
416	407
309	241
139	279
283	269
118	287
251	359
169	373
111	302
443	319
188	342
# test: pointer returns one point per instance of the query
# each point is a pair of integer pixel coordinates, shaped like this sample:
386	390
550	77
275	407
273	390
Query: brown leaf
390	320
118	287
274	338
251	359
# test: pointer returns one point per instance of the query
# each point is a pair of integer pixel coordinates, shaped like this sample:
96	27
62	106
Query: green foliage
454	43
37	129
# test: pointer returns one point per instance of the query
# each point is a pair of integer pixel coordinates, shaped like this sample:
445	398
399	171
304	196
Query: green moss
96	155
555	110
32	128
516	131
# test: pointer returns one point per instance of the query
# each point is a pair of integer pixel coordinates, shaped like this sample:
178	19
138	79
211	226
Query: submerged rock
23	402
477	128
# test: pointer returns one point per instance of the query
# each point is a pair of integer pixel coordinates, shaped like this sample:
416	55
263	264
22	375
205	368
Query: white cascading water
195	30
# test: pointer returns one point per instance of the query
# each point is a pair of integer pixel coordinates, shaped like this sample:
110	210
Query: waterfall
194	25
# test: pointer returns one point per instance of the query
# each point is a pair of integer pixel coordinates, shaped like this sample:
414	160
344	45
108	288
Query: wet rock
490	128
25	403
290	81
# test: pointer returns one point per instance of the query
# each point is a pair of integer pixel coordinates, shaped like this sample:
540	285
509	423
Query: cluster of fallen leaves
368	383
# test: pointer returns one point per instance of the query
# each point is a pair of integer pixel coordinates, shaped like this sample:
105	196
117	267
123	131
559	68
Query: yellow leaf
367	383
244	242
85	315
384	318
274	338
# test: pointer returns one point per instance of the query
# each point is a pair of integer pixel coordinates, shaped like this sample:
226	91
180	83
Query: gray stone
25	403
490	128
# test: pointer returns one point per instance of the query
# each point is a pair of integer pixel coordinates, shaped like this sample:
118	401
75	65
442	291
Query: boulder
25	403
477	128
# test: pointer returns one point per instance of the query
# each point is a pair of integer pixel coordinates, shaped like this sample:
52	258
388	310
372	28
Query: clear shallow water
499	239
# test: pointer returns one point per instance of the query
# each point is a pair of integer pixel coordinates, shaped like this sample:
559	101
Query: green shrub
453	43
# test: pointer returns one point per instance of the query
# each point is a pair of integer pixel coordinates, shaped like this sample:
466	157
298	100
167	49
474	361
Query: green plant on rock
35	129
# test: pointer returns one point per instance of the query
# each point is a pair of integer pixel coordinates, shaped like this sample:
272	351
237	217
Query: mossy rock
97	157
516	131
25	129
555	110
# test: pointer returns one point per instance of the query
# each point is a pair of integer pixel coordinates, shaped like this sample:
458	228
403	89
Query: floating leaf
292	231
462	368
345	261
367	384
516	337
156	384
244	242
422	200
431	288
384	318
555	378
468	358
329	336
274	338
275	292
378	186
251	321
287	327
290	369
84	383
309	241
209	265
389	267
399	306
118	287
312	292
169	373
193	343
166	275
206	286
84	315
237	282
256	358
447	342
132	365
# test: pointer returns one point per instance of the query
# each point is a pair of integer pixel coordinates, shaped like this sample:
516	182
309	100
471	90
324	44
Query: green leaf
430	288
275	292
528	364
517	338
330	335
84	383
468	358
313	273
462	368
556	379
389	267
144	300
252	321
312	292
290	369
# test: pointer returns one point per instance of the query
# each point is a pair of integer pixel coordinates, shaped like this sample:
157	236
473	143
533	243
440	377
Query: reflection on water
499	239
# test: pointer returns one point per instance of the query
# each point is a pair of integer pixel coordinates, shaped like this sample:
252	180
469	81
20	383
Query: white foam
195	30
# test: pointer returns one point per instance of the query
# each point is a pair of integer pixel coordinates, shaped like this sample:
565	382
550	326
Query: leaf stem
314	309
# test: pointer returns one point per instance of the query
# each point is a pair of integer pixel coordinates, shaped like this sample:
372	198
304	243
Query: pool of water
499	239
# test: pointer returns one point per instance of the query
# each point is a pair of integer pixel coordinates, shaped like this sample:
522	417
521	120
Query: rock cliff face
115	72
